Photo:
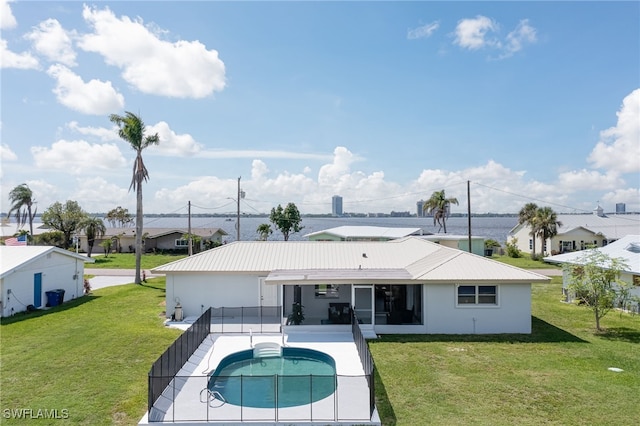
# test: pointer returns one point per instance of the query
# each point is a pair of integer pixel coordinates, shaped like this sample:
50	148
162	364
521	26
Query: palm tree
22	201
439	205
264	230
547	223
131	129
93	228
526	217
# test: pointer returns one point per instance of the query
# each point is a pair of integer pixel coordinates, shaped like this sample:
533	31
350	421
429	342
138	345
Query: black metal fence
256	319
365	358
274	398
171	361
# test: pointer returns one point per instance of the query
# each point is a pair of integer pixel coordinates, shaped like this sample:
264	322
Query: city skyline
380	102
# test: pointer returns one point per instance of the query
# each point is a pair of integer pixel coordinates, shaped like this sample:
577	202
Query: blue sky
379	102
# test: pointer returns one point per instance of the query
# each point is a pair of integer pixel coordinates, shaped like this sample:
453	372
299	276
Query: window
477	295
530	244
636	280
182	243
327	291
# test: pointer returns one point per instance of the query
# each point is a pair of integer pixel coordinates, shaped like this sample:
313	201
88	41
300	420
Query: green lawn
128	260
525	262
91	357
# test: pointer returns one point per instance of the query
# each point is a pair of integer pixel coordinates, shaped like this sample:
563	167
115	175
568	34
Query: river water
496	228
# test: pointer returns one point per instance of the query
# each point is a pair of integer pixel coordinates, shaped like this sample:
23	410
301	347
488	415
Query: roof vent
633	247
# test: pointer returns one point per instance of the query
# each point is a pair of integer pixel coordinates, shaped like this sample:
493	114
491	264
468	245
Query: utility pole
189	231
241	194
469	214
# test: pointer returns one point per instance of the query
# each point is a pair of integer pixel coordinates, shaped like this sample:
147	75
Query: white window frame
180	242
476	294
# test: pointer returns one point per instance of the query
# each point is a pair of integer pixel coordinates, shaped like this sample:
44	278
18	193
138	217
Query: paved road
110	277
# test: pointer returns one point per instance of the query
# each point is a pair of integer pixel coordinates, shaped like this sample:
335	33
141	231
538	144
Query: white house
626	248
363	233
28	273
407	285
578	231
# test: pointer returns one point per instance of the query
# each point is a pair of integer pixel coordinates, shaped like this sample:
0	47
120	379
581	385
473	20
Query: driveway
110	277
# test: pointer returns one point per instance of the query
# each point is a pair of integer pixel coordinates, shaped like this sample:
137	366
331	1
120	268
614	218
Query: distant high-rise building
336	205
621	208
419	208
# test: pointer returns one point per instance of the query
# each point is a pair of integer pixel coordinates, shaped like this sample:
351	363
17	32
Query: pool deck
186	400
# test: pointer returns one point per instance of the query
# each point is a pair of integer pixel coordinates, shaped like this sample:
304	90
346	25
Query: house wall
58	272
512	315
627	277
317	308
198	290
575	235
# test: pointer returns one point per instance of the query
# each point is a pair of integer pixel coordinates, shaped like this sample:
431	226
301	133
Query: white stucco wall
58	271
512	315
204	290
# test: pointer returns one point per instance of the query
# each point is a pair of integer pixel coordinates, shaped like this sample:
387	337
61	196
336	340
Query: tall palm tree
22	202
547	224
526	216
93	228
131	129
439	205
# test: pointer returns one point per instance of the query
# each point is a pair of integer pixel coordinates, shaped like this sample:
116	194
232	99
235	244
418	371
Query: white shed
27	273
407	285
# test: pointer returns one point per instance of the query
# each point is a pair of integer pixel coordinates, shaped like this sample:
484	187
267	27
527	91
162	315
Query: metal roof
406	259
626	248
611	227
368	232
16	256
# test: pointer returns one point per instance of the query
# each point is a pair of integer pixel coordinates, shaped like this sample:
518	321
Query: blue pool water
300	376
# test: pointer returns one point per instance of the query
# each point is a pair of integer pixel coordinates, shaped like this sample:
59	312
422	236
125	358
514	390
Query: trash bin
53	298
60	293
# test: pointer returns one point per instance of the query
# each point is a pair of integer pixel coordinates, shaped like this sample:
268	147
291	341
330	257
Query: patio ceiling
339	276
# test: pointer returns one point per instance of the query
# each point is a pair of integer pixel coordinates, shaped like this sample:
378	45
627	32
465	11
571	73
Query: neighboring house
380	233
578	231
407	285
28	273
8	230
160	239
362	233
626	248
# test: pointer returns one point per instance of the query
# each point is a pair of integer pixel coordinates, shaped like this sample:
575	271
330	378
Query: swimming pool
288	378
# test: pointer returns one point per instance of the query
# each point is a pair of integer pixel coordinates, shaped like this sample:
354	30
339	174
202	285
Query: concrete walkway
110	277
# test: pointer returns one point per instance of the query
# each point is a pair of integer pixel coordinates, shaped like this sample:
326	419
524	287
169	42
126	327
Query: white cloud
423	31
182	69
250	153
524	33
472	33
6	154
52	41
172	144
78	157
102	133
258	170
482	32
619	147
9	59
629	196
97	195
94	97
577	180
7	20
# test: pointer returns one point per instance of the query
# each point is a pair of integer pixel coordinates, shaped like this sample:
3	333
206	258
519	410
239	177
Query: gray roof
626	248
159	232
407	259
17	256
612	227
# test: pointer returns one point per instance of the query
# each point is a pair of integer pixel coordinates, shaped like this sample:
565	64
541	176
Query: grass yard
128	260
556	376
91	357
525	262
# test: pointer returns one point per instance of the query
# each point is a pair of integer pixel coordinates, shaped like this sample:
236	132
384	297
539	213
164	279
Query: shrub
512	248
